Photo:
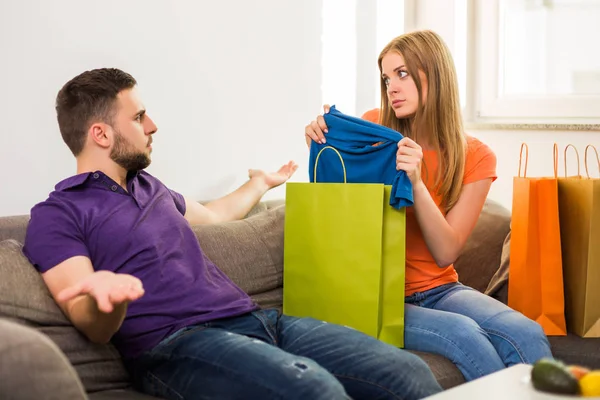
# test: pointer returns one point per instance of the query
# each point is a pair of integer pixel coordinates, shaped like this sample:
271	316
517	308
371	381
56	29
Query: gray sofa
250	251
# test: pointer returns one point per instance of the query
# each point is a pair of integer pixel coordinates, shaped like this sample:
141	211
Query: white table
512	383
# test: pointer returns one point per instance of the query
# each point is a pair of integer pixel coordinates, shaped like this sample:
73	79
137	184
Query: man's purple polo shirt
141	232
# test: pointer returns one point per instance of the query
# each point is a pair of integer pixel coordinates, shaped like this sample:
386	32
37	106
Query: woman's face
401	88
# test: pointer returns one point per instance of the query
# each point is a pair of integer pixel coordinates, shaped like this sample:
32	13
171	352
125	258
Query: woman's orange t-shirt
422	272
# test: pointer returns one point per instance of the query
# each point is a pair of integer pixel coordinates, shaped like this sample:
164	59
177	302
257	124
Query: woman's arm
446	237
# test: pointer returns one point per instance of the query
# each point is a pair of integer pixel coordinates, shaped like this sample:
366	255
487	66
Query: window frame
488	104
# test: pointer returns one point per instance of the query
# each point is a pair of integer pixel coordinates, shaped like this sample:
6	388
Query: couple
185	331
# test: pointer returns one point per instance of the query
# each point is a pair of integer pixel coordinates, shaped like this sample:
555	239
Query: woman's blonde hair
440	115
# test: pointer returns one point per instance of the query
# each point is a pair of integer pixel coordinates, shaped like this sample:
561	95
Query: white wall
230	84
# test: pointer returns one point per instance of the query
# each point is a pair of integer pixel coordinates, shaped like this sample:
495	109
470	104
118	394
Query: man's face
133	130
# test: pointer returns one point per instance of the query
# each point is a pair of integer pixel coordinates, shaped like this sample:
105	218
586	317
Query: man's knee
413	368
409	361
305	379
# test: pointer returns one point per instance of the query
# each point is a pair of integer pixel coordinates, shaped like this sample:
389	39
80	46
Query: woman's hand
409	158
316	130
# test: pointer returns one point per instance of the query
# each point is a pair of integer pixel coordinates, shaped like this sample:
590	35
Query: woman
451	175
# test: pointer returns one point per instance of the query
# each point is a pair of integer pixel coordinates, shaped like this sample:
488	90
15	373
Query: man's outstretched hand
274	179
107	288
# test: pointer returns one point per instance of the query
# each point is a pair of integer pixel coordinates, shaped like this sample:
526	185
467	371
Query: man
115	247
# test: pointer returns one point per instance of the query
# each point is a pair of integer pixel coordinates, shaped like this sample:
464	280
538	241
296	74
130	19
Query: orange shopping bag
535	280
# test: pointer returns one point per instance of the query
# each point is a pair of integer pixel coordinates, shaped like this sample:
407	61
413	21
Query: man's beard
126	156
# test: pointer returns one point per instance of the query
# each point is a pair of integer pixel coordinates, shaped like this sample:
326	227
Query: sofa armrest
33	367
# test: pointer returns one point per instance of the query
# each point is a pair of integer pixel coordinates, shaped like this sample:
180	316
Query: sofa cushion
498	286
25	299
250	252
13	227
480	257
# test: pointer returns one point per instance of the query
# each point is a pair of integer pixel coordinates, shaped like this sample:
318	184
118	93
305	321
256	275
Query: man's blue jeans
476	332
262	355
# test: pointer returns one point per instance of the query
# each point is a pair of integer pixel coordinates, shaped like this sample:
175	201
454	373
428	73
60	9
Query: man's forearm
99	327
238	204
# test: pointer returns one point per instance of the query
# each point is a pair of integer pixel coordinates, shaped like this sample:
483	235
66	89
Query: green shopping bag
344	257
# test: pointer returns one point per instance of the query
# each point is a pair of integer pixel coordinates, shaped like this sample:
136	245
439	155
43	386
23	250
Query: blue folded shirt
353	138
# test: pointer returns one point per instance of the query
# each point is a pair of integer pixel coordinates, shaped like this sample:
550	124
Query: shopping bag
579	209
535	280
344	256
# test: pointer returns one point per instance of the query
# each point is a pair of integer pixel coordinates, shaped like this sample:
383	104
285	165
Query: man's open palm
107	288
274	179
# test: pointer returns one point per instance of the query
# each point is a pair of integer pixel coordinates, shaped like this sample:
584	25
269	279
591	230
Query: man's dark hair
88	98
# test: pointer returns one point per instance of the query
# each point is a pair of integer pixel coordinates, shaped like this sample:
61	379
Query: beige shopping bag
579	209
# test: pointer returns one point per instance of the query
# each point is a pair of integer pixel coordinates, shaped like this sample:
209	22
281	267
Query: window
533	61
536	60
354	32
339	55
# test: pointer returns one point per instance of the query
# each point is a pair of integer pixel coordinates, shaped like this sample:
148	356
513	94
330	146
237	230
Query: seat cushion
444	370
25	298
13	227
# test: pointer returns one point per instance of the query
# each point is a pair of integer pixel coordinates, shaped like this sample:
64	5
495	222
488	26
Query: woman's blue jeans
476	332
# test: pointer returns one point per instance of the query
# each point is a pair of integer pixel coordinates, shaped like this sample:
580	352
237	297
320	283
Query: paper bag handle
317	162
565	157
585	158
523	146
555	151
